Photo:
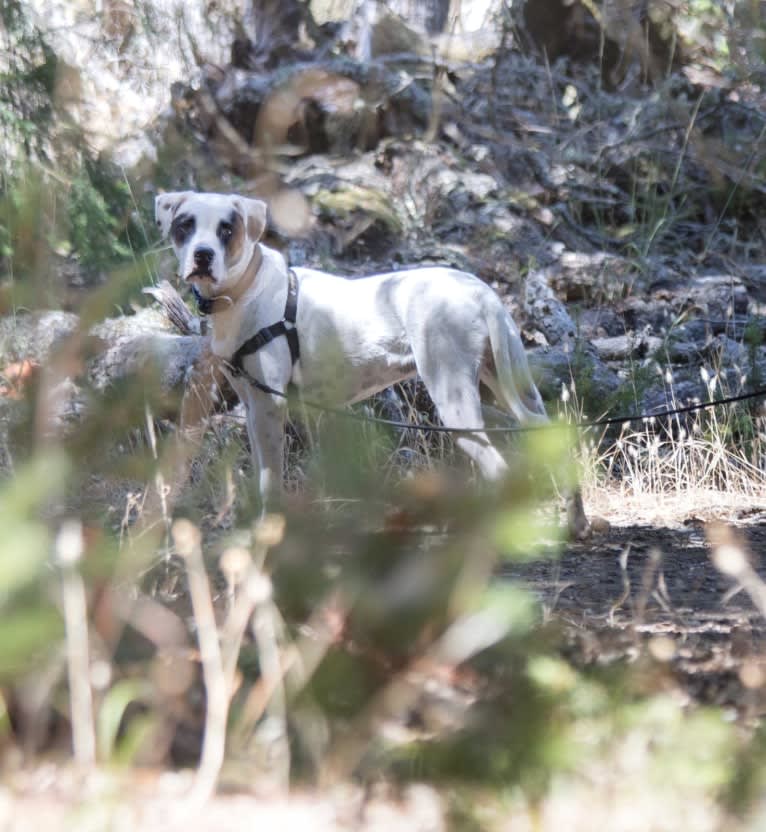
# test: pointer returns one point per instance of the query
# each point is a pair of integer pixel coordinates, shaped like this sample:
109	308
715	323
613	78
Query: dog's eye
225	231
182	228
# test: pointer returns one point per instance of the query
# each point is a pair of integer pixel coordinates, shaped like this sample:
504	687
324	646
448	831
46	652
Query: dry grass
705	465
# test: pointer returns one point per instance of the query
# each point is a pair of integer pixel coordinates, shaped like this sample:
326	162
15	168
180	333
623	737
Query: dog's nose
203	257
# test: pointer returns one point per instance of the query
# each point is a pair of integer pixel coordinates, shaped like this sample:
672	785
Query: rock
721	295
642	314
585	276
332	106
624	347
390	35
362	218
169	357
545	311
600	322
559	366
723	351
32	335
477	186
140	346
679	352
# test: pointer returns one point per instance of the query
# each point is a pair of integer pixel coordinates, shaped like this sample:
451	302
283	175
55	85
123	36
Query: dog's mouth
199	274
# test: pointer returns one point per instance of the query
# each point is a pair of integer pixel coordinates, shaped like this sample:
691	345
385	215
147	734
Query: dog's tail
517	388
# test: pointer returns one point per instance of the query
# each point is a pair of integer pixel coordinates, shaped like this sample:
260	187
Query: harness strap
269	333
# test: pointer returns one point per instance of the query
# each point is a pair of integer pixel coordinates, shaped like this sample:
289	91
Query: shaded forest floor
640	588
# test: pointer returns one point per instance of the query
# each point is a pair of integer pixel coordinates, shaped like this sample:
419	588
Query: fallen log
165	349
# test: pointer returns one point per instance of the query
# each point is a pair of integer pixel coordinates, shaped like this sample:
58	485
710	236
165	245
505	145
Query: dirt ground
641	585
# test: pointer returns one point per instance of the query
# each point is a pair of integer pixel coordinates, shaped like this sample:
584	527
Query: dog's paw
584	530
580	531
599	525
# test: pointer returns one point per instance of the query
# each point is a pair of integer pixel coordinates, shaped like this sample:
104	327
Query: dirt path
641	585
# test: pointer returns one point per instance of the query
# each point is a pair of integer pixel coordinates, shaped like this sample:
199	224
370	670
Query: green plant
101	229
28	75
32	624
57	196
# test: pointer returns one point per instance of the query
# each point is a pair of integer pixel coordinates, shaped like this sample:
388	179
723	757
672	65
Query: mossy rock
353	200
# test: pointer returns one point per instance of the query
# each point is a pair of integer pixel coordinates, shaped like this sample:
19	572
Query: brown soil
642	586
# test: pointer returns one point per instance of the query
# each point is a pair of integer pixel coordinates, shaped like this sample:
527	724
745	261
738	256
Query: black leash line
605	422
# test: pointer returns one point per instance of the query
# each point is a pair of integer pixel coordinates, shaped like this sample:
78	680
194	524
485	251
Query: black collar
205	306
269	333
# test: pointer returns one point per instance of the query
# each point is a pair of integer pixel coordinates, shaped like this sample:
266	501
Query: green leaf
516	607
521	532
39	480
25	544
552	674
26	634
22	557
112	711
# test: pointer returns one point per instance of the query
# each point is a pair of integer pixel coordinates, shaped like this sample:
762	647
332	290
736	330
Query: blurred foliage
98	213
27	85
57	195
31	624
733	34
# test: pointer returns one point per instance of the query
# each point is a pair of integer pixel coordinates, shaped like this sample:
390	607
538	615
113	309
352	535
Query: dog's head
213	235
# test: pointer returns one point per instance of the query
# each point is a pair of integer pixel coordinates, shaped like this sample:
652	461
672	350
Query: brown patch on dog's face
253	214
231	233
256	225
254	228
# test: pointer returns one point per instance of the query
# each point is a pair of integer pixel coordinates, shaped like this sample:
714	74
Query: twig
176	311
265	632
187	540
69	546
647	583
159	479
623	561
730	558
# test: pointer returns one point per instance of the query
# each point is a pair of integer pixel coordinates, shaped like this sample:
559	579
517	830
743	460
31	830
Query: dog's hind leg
513	386
456	397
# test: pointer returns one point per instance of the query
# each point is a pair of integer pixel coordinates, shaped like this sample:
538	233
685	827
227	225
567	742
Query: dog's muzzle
196	274
203	261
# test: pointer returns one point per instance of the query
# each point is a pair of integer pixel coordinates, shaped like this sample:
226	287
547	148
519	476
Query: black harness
286	327
269	333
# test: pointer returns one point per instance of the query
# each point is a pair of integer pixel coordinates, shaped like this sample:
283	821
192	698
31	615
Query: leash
605	422
287	327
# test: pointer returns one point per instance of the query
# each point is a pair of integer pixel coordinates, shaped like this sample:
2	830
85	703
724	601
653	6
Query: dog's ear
254	214
166	207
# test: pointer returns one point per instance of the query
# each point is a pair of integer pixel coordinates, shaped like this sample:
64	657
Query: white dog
340	340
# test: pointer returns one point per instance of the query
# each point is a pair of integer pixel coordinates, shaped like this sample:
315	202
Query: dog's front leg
579	527
266	431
